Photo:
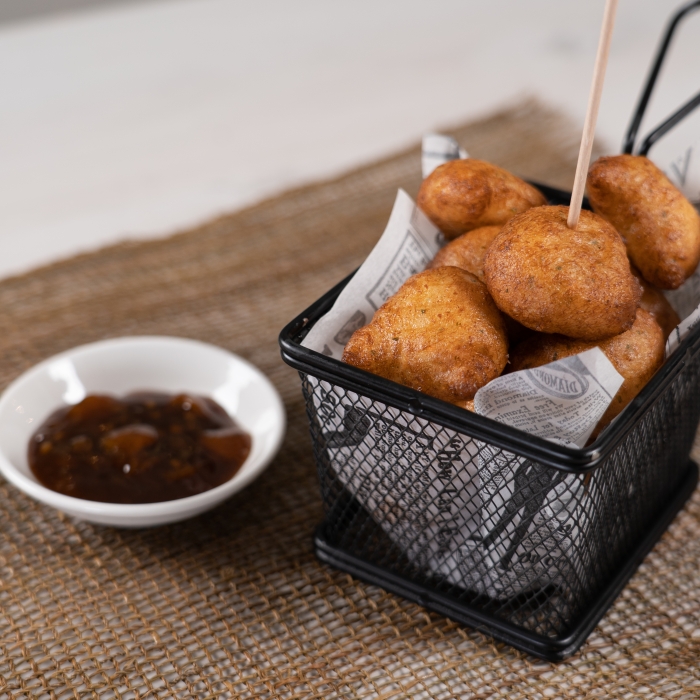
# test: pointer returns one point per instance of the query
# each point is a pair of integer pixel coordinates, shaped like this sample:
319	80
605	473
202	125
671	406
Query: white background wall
142	118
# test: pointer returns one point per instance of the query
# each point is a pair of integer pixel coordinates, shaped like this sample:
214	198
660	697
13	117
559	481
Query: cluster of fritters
515	288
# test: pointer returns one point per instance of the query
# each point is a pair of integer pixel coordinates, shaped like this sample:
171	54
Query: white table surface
141	119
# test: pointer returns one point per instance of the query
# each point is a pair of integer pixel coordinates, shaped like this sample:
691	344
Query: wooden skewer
584	154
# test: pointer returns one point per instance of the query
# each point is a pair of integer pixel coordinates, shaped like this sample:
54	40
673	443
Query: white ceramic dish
122	365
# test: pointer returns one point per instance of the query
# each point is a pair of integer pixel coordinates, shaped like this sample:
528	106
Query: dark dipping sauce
144	448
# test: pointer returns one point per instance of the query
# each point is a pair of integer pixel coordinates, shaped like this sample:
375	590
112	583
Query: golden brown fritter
461	195
440	334
636	354
467	251
661	228
554	279
657	305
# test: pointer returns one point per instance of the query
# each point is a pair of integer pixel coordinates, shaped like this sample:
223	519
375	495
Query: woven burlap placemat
233	604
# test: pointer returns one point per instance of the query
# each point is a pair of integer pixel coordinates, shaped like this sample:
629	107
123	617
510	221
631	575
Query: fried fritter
661	228
467	251
440	333
657	305
636	354
554	279
465	194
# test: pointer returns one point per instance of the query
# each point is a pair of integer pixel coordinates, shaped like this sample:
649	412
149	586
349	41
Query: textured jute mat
233	604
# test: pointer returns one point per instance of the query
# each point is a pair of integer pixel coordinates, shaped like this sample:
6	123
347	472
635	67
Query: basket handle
628	146
668	124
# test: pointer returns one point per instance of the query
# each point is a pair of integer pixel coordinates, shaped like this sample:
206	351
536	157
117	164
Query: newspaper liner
684	171
438	149
477	516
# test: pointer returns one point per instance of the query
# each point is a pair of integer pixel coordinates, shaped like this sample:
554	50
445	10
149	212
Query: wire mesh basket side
643	472
515	539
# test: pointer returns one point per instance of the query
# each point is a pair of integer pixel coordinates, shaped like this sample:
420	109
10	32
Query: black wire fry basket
516	536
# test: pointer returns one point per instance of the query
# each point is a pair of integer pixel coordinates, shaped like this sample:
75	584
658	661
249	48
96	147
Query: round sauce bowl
141	363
